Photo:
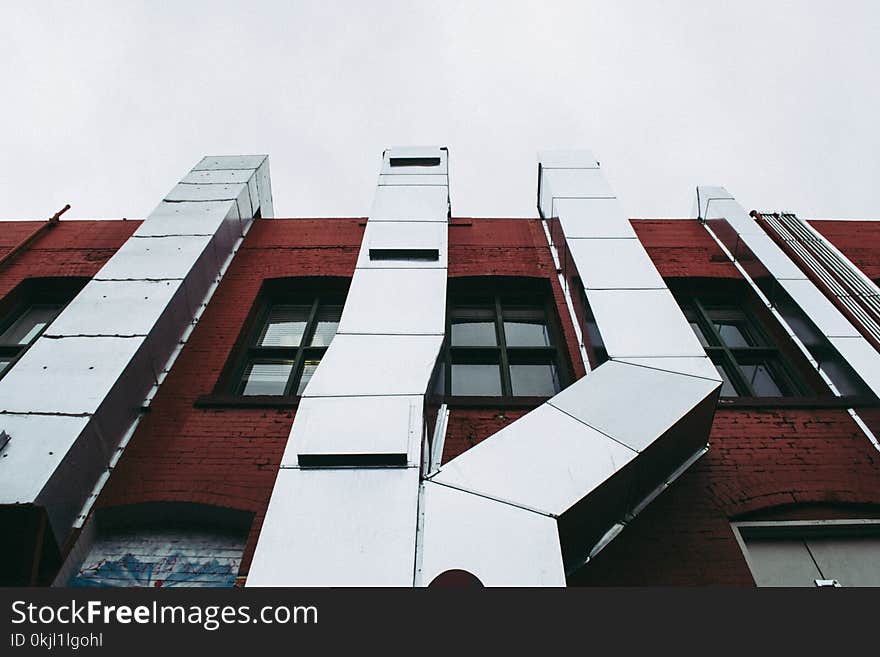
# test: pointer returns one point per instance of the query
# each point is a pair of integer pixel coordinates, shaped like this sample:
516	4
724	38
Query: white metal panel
118	308
500	544
413	203
731	211
81	372
264	187
375	365
852	560
605	400
37	445
404	235
568	159
204	218
639	323
782	562
395	301
592	218
217	176
710	198
158	258
230	162
770	256
863	358
339	527
387	180
546	461
202	193
614	264
572	183
819	309
692	366
328	426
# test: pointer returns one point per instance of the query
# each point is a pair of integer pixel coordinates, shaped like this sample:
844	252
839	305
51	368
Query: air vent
351	460
421	255
414	161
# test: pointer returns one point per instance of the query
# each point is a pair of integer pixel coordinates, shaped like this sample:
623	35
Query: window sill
855	401
249	401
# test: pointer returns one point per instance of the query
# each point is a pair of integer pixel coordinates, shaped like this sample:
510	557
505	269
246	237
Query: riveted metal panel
413	203
592	218
396	301
264	187
568	159
861	356
404	235
230	162
339	527
357	365
819	309
159	258
695	366
572	183
611	264
229	192
642	323
390	180
415	152
157	309
217	176
206	218
346	426
52	461
605	399
546	461
502	545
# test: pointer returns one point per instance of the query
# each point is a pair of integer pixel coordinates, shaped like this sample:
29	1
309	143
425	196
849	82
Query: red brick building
787	493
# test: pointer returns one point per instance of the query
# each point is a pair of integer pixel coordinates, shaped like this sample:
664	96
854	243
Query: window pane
727	389
534	380
3	365
735	334
29	325
473	327
526	327
309	368
328	322
266	378
476	380
285	326
760	377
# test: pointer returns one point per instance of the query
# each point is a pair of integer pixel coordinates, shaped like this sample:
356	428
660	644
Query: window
31	308
812	553
288	336
748	361
501	344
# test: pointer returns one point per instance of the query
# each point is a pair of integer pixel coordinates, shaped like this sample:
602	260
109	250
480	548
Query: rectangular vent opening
414	161
421	255
351	460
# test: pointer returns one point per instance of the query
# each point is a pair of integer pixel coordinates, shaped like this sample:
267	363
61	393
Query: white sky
107	104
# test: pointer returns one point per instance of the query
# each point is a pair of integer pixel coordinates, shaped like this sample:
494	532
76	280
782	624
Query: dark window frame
316	292
33	293
493	294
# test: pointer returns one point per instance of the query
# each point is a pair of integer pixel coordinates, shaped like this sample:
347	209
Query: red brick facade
761	460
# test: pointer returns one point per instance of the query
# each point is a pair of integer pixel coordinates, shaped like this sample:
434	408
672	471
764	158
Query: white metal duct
540	497
68	402
764	261
343	511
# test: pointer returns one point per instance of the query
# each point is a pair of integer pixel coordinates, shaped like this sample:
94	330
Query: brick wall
858	240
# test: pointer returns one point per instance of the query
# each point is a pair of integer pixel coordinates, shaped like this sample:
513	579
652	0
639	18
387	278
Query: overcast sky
107	104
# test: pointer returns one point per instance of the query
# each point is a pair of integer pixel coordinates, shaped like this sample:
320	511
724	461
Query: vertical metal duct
344	507
67	403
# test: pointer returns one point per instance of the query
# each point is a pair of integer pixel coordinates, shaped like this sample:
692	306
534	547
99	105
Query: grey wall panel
502	545
231	162
592	218
340	426
217	176
413	180
373	303
404	235
339	527
411	203
610	264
